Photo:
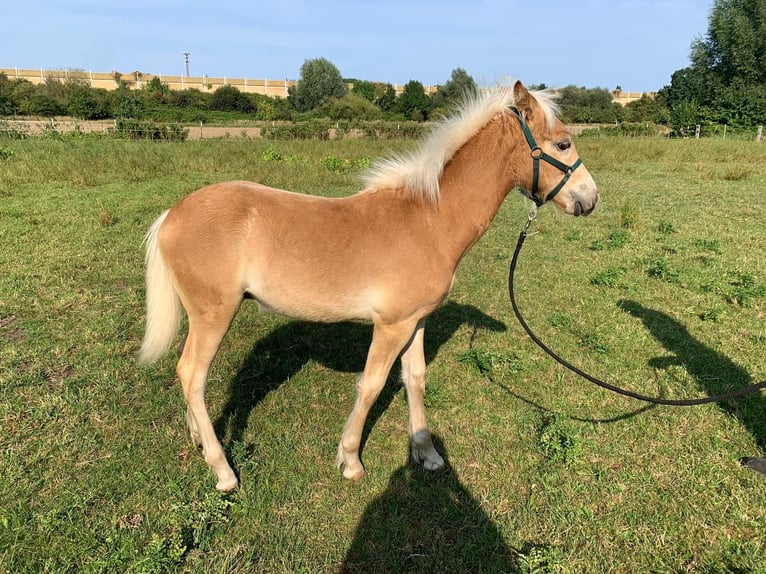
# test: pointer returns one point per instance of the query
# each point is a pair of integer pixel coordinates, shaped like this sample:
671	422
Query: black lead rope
655	400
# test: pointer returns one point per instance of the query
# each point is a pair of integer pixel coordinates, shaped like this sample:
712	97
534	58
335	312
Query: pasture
662	290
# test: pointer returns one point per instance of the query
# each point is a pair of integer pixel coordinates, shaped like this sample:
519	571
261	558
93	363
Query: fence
721	131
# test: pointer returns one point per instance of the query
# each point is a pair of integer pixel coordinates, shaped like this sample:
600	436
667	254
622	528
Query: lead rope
654	400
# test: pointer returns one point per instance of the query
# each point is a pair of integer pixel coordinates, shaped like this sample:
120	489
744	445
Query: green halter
537	155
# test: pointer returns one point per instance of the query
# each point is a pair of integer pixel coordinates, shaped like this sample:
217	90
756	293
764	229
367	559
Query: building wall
110	81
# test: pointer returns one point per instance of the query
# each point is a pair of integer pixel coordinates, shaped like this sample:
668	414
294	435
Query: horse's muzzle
585	207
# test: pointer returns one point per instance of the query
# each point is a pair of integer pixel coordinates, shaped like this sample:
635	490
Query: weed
666	227
344	166
272	154
542	559
485	362
594	342
107	218
5	153
628	215
559	442
609	277
562	320
661	268
714	315
573	235
618	238
744	289
712	245
738	173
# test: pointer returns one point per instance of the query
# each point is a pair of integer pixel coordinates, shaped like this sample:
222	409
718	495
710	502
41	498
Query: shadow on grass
338	346
427	522
714	372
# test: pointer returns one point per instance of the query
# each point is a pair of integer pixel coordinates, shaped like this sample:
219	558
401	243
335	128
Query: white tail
163	307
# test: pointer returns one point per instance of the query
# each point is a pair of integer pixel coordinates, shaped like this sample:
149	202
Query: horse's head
555	172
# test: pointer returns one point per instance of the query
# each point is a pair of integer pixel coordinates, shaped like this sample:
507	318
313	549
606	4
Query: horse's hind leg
387	343
414	377
201	345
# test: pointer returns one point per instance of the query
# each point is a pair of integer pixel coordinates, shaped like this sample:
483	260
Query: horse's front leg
414	377
387	342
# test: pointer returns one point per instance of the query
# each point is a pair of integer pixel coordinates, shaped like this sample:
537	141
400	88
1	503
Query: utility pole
186	60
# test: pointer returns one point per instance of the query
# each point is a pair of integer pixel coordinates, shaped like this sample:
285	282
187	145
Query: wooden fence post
697	131
759	135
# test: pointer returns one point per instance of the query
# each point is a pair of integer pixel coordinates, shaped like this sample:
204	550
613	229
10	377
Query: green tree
588	105
85	102
385	97
647	109
726	82
460	85
734	48
125	103
365	89
33	100
413	103
319	79
230	99
7	103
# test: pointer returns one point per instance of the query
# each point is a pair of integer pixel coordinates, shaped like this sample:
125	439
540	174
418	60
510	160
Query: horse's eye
564	145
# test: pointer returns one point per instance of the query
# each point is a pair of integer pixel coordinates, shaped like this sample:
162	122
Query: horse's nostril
578	208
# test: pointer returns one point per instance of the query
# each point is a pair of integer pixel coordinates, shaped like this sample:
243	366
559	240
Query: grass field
662	290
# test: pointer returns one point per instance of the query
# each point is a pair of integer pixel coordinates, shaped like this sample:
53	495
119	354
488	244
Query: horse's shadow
427	522
715	372
338	346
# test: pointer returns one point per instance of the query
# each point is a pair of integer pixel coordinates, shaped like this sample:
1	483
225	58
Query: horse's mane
419	171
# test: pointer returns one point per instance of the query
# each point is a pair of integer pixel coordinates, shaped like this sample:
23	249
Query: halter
537	155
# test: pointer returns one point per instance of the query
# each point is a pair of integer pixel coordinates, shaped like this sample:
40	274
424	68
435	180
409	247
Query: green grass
546	473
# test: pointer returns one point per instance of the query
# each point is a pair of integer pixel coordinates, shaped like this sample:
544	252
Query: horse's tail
163	307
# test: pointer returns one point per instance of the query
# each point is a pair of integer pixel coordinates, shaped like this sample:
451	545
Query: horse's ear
522	100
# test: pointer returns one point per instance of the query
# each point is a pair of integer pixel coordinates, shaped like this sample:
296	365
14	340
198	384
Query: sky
633	44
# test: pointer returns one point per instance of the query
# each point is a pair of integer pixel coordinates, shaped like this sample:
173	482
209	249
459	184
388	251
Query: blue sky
636	44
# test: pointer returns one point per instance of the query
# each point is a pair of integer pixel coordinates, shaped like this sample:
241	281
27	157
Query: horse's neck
476	181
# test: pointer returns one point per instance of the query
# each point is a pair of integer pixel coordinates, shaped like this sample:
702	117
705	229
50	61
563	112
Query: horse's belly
313	304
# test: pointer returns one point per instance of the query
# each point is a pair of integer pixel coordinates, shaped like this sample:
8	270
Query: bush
349	107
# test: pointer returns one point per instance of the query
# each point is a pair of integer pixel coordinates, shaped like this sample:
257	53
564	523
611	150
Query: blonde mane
419	171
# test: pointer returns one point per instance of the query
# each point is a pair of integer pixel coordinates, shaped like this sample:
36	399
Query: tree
460	85
7	103
385	97
319	79
363	88
230	99
726	82
125	103
413	103
734	49
588	105
85	102
647	109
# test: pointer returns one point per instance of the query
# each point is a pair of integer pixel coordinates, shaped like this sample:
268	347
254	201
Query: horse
387	255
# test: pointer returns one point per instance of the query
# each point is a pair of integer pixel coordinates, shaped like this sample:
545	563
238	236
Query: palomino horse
387	255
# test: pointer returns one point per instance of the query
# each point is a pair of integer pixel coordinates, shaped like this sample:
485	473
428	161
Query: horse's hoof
354	475
227	485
